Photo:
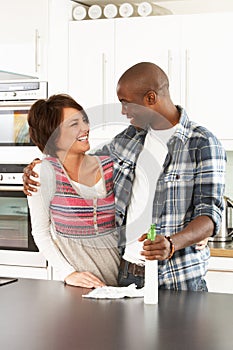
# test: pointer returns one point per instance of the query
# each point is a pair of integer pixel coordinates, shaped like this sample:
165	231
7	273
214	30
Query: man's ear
150	97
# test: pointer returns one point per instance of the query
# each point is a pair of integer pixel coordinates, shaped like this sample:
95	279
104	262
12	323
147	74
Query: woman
73	212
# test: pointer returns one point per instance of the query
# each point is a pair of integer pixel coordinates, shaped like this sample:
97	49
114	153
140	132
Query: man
168	171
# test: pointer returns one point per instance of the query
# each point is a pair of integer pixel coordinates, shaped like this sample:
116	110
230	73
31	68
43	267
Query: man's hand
30	185
159	249
83	279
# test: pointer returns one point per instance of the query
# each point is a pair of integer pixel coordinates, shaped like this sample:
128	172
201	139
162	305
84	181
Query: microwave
17	94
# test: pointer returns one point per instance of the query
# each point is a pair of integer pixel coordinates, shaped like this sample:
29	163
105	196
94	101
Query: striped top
76	217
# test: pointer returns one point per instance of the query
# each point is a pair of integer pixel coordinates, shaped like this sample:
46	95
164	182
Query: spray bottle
151	274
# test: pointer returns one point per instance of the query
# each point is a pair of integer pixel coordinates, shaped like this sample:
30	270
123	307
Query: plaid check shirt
191	184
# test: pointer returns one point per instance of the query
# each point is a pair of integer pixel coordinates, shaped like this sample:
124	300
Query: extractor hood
10	76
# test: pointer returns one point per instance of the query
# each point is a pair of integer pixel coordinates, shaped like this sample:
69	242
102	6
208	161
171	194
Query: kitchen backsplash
229	172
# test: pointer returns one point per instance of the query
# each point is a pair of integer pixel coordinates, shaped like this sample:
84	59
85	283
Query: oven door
17	246
15	227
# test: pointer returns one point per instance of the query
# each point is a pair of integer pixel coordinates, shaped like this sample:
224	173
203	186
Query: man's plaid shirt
191	184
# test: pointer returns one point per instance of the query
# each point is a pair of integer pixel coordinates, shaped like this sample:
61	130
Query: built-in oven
15	225
17	246
17	94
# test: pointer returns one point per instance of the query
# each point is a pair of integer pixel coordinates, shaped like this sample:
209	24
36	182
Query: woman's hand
30	185
83	279
202	244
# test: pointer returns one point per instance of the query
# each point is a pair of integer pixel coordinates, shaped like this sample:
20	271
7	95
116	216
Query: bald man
168	171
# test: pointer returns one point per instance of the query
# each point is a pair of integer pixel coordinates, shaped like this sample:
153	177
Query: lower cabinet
219	277
25	272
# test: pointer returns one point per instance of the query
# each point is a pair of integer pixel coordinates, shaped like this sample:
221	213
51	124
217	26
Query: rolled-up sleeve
209	180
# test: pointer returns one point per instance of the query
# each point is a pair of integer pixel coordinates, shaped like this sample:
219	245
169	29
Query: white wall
196	6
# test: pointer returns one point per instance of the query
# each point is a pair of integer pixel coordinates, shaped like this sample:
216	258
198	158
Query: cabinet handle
104	85
169	63
37	42
187	82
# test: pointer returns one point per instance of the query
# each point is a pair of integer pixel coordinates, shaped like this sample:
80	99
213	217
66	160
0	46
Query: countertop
48	315
221	249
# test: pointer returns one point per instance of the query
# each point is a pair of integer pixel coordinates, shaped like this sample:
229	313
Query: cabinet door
152	39
220	281
91	62
23	36
91	77
24	272
206	41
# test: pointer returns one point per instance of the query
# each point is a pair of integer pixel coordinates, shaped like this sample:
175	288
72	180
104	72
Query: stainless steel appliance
15	228
17	93
226	232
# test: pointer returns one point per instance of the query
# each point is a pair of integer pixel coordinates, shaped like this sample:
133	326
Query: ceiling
118	2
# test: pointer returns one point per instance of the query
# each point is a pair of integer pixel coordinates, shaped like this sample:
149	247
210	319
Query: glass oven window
14	127
15	228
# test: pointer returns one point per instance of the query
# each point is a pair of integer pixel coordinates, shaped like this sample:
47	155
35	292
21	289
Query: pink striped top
76	217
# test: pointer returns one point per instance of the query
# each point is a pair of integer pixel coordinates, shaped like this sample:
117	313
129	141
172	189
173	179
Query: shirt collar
183	128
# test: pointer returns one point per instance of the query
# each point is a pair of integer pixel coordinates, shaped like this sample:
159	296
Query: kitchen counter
39	314
221	249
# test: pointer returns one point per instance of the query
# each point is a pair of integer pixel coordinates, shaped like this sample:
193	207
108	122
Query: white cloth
139	213
107	292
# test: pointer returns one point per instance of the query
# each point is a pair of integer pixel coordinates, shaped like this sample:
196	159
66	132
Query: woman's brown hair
45	117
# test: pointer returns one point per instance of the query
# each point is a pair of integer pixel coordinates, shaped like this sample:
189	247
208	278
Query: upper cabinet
92	77
208	57
194	50
24	37
91	62
101	50
150	39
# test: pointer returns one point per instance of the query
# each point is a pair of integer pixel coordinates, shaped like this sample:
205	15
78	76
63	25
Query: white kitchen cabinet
91	62
194	50
220	275
101	50
25	272
92	77
151	39
24	37
208	57
24	264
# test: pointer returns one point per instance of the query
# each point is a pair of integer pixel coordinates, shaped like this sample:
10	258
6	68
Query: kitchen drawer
220	281
24	272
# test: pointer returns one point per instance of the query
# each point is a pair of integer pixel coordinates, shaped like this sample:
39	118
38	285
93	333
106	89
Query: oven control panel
11	178
21	91
11	174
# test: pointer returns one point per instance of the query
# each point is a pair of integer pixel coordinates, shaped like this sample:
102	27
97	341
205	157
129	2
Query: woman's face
74	132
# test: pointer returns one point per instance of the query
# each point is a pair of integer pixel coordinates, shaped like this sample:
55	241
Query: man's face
134	106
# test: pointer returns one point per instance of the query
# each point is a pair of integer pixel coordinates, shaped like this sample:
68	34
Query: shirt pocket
123	169
179	188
